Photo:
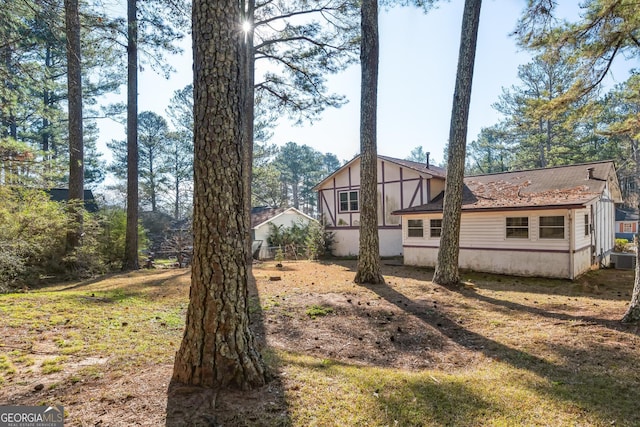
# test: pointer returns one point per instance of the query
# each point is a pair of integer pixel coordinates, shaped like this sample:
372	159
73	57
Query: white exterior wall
485	247
347	242
605	220
286	219
398	188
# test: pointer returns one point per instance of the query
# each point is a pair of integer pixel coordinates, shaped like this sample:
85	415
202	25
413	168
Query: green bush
620	245
301	239
33	237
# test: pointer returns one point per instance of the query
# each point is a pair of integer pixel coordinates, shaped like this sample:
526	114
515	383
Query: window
587	226
348	201
518	228
435	227
415	228
627	227
552	227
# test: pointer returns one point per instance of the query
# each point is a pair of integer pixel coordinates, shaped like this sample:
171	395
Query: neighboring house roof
62	195
626	215
561	186
261	215
430	170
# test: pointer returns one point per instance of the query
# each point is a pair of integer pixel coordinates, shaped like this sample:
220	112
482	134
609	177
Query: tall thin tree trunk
152	184
447	267
248	117
218	349
176	208
633	311
76	144
369	251
130	261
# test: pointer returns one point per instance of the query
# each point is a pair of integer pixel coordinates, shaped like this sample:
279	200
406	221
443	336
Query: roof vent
590	173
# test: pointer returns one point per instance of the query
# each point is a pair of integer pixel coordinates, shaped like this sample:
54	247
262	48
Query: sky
417	70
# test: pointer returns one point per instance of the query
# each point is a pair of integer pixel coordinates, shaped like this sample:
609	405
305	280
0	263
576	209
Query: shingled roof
432	170
561	186
262	214
417	166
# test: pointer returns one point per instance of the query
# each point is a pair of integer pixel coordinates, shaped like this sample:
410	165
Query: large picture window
435	227
415	228
349	201
518	227
552	227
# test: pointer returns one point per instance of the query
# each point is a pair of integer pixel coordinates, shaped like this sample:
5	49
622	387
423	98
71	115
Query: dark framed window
349	201
415	228
587	226
551	227
435	227
517	227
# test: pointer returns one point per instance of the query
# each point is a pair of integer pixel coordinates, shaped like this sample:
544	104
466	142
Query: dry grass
503	351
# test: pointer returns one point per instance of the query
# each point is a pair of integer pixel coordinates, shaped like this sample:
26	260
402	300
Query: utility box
623	261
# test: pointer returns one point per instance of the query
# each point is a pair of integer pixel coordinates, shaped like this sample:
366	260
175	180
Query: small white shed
262	217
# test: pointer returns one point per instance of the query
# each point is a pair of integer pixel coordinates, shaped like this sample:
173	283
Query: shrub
33	236
301	239
318	242
620	245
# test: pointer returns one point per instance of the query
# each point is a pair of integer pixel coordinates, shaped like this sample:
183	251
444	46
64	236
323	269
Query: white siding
286	219
346	242
398	188
484	245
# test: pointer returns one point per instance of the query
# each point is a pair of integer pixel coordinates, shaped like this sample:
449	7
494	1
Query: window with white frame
587	226
435	227
551	227
349	201
627	227
517	227
415	228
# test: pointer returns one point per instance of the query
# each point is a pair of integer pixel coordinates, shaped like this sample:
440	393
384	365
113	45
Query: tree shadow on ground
576	378
608	323
266	406
400	398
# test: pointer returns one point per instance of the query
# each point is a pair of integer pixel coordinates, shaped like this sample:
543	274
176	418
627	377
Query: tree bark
248	118
447	267
218	349
369	251
130	261
76	144
633	311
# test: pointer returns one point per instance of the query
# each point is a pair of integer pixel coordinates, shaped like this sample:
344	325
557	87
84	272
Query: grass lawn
502	351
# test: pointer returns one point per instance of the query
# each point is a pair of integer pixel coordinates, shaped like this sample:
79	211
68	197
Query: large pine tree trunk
131	237
369	251
447	267
218	349
76	145
248	119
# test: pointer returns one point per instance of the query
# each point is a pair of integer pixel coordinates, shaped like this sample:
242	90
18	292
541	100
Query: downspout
571	244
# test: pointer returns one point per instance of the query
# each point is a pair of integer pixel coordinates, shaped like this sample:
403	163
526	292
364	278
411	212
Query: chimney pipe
590	173
428	153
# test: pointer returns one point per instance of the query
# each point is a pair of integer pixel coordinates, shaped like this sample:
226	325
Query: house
261	219
553	222
626	224
401	184
62	195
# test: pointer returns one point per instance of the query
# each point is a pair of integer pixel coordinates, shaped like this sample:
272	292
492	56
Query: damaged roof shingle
560	186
